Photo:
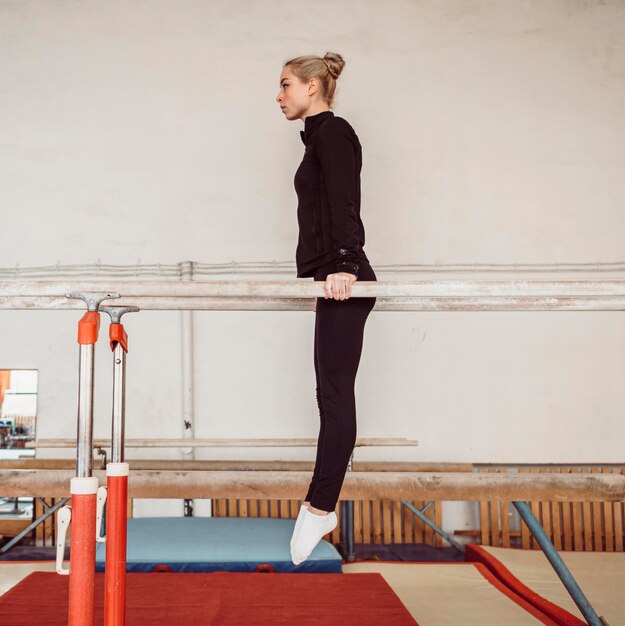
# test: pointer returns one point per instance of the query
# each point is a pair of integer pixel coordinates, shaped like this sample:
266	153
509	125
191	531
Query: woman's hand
339	285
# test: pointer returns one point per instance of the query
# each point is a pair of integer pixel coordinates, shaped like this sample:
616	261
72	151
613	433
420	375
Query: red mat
223	598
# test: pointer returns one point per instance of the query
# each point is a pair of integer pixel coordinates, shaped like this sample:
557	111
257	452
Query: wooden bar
546	512
526	535
408	525
597	521
220	443
419	526
587	523
397	524
618	522
367	515
427	530
484	518
387	534
494	517
43	532
376	521
397	517
242	465
578	534
608	517
557	527
556	518
253	507
357	486
567	526
535	507
438	517
505	524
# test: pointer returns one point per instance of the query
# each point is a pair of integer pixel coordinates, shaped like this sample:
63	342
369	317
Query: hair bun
335	63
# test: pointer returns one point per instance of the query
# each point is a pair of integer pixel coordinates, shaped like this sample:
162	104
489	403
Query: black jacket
327	184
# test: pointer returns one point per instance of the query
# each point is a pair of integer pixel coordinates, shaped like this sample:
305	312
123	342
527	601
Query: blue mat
210	544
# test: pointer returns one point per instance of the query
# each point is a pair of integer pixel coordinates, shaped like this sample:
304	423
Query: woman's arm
336	152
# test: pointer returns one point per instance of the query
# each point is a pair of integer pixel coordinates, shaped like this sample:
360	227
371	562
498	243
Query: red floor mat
223	598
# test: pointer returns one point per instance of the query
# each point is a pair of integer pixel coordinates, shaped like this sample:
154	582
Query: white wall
493	132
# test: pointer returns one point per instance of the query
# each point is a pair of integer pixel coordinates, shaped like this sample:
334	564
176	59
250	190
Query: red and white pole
116	533
82	553
84	486
117	480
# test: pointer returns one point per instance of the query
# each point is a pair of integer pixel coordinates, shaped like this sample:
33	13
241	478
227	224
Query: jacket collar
311	122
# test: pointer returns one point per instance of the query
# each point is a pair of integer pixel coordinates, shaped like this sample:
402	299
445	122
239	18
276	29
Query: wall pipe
188	409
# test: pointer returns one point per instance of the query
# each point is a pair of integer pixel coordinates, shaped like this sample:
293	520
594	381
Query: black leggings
339	330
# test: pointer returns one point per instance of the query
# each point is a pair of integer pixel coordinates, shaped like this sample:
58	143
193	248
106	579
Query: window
18	411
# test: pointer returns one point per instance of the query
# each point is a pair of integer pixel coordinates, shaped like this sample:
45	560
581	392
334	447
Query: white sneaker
311	530
298	523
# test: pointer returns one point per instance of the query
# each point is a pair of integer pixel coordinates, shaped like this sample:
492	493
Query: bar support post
563	572
115	494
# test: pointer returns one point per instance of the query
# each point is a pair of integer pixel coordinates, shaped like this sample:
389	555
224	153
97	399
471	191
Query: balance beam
218	443
270	485
243	465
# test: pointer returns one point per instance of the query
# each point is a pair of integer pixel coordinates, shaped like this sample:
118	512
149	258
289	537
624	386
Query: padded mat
449	594
210	544
601	576
220	598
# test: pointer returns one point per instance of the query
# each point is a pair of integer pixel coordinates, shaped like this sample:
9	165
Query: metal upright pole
84	486
89	326
589	613
116	490
348	511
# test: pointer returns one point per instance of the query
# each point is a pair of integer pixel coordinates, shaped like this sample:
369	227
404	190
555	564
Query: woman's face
294	96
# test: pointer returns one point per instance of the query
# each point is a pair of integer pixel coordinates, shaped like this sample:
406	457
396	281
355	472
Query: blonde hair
326	69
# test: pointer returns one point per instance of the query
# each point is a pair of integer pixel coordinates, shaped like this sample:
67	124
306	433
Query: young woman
330	249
